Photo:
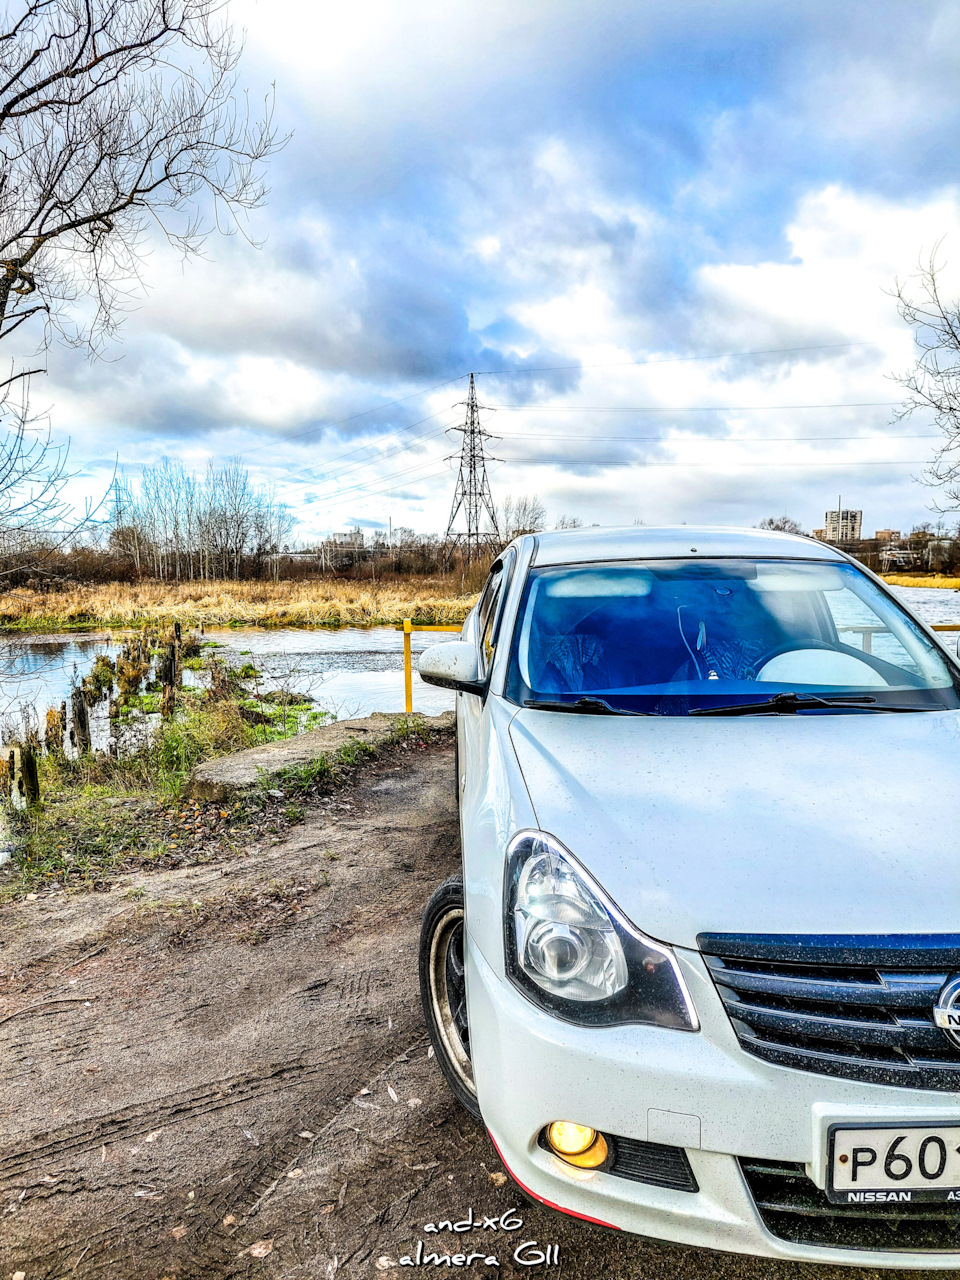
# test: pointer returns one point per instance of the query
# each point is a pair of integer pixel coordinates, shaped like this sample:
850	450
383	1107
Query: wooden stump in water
80	733
167	675
54	729
29	780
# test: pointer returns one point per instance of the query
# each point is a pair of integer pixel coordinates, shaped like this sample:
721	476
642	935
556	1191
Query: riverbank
101	814
320	603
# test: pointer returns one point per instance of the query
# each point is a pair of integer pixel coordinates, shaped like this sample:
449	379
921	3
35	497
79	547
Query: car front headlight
572	952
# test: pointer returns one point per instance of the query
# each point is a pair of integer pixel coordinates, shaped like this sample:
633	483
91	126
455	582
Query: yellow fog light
577	1144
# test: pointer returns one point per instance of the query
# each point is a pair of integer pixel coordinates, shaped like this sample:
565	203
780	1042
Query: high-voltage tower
473	488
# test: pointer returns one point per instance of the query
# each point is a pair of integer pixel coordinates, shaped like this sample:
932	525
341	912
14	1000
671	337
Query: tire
443	990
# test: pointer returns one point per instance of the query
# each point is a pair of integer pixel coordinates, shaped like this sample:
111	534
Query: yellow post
407	665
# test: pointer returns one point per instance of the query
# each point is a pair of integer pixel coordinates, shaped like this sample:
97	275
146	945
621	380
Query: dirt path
222	1071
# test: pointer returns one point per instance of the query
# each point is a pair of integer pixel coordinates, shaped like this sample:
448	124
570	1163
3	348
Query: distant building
820	534
888	535
843	525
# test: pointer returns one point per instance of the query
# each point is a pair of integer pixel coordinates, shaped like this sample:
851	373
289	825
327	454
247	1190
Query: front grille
794	1209
856	1007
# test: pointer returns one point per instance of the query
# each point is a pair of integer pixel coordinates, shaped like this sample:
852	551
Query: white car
700	975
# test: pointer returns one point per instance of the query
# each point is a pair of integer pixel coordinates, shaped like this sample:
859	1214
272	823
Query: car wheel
443	990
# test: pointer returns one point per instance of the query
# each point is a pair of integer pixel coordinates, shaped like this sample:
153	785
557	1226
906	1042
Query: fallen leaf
47	1178
498	1179
305	1133
430	1052
342	1196
393	1093
328	1208
179	1232
20	1275
364	1092
414	1102
295	1173
260	1249
152	1137
229	1220
384	1263
31	897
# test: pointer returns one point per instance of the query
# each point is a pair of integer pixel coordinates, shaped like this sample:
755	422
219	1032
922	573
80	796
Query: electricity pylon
473	488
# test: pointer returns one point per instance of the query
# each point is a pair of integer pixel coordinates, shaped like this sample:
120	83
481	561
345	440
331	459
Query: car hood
766	824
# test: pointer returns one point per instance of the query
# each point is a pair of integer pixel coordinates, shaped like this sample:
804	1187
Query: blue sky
609	190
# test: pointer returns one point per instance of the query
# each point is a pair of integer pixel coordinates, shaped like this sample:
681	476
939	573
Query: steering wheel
839	668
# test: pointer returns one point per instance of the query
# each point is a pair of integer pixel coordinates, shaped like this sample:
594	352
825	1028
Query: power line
327	476
728	355
369	462
626	439
338	502
578	435
612	462
364	413
694	408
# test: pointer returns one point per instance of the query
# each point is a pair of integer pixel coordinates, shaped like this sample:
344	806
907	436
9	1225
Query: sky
664	236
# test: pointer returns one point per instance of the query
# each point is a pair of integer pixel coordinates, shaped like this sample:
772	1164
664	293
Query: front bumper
698	1091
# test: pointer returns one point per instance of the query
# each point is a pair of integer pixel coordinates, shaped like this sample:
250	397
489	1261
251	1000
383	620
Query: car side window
491	607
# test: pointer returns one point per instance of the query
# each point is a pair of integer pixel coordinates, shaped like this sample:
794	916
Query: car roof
577	546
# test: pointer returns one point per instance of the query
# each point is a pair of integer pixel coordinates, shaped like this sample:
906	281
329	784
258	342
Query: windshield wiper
582	706
790	703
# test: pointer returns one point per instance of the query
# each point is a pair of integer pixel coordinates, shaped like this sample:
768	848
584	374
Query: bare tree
782	524
117	117
522	514
175	525
568	522
934	381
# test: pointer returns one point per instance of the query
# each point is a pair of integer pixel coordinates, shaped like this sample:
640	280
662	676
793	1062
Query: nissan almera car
700	976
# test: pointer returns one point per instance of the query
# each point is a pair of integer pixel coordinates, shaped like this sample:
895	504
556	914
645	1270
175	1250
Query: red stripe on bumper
598	1222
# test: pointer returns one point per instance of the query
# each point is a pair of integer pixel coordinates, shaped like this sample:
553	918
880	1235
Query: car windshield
671	636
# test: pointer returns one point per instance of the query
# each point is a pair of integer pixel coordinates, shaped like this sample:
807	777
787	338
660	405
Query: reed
926	580
323	603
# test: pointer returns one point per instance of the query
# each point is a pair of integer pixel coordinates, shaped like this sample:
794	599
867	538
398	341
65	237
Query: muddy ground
222	1071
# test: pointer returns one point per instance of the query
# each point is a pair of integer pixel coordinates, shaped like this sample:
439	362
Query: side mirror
452	666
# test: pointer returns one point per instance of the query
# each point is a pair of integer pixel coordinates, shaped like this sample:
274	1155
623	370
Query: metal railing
408	628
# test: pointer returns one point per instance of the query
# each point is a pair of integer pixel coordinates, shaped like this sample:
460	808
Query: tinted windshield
667	636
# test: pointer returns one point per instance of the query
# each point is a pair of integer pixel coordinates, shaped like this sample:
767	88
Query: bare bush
934	382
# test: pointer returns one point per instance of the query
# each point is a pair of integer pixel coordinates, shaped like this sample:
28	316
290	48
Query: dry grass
926	580
267	604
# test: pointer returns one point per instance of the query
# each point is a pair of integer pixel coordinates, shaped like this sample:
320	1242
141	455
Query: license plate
893	1164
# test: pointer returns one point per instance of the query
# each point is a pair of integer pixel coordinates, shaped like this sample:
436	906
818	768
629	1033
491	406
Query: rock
224	779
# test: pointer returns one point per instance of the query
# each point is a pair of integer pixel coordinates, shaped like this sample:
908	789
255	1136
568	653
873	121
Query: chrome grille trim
860	1008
